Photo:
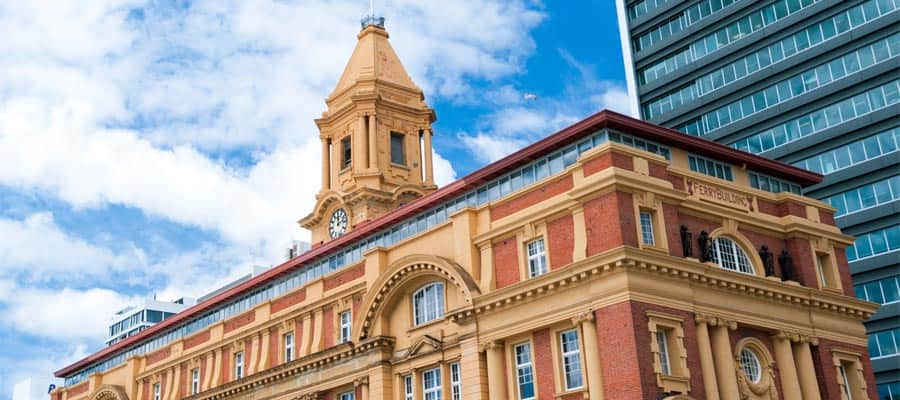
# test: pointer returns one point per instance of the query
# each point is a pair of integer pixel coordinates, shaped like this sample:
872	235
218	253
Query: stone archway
402	271
109	392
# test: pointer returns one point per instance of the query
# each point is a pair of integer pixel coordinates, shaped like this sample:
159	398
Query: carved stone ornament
687	247
768	260
109	392
764	389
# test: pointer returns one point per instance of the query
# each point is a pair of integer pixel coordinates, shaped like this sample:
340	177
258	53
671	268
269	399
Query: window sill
583	390
671	383
654	248
402	166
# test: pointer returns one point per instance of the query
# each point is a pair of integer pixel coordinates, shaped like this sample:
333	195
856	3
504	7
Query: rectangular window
524	371
431	384
848	390
195	381
571	359
346	152
348	396
408	387
288	346
346	327
239	365
537	258
647	228
455	382
709	167
398	150
156	391
662	341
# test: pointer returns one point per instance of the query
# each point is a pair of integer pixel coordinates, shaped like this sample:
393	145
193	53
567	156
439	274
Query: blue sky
166	147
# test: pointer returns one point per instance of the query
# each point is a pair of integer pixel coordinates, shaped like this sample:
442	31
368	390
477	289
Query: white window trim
647	230
408	387
239	365
347	396
537	257
428	300
346	319
288	346
195	381
435	389
157	391
455	382
572	353
662	340
520	367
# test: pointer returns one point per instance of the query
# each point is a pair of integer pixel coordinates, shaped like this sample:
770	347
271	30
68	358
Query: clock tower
376	140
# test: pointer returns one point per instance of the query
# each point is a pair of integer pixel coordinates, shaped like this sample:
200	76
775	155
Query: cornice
630	260
296	367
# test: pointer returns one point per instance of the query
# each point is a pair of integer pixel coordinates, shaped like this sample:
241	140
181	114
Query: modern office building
133	319
612	260
813	83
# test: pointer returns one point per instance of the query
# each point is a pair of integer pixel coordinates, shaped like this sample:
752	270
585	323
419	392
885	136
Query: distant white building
133	319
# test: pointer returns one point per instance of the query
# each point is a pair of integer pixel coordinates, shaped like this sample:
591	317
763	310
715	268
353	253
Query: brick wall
545	377
673	229
609	222
239	321
197	339
826	372
78	389
226	363
345	276
606	160
288	300
560	235
804	263
275	339
619	363
506	262
531	198
159	355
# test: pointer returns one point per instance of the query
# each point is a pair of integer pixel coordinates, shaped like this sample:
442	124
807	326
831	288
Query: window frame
288	352
648	231
346	152
438	298
538	258
408	389
345	326
157	391
351	395
435	390
737	252
520	367
455	381
402	141
238	370
566	356
195	381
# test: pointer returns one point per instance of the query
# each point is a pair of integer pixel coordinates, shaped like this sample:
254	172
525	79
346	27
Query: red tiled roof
602	119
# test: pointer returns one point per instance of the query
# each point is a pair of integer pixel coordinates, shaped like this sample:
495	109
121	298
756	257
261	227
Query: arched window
729	255
750	365
428	303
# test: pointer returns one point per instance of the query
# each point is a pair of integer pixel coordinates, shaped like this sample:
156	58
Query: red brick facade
561	241
159	355
607	160
328	327
345	276
239	321
531	198
609	221
506	262
288	300
545	377
826	371
197	339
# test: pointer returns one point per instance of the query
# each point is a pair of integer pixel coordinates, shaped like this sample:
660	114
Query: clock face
337	226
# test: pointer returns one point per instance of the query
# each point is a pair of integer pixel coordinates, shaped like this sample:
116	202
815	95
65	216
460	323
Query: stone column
724	360
787	370
326	164
373	143
707	366
591	354
429	172
806	370
496	370
359	153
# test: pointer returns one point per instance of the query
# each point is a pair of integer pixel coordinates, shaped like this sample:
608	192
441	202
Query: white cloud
443	170
36	248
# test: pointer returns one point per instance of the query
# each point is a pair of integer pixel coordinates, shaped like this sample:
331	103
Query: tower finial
371	19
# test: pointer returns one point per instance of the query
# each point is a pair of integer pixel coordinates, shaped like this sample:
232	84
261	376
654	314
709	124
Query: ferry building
614	259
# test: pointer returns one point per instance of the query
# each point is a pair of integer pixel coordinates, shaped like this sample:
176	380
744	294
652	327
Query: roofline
602	119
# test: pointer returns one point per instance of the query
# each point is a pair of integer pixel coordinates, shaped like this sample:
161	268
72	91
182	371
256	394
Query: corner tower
376	139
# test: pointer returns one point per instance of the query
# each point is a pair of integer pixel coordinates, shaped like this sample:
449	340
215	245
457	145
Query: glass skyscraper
814	83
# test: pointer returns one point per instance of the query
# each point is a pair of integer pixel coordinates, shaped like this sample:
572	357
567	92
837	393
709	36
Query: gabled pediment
422	345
